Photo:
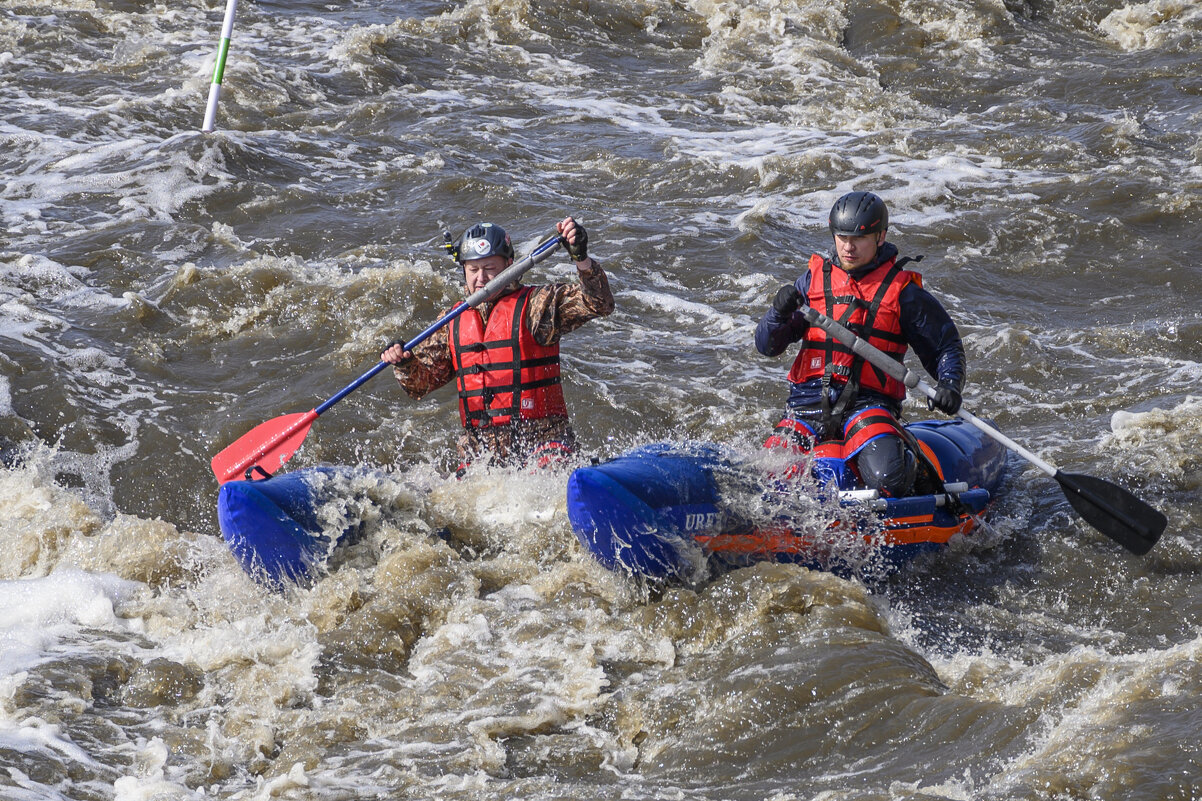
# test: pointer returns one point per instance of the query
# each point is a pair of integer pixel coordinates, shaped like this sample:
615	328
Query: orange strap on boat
791	433
831	449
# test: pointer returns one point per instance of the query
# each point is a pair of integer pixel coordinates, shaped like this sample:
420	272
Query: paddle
1107	507
272	443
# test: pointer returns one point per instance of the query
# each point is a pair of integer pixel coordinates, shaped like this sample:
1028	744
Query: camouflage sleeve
557	309
429	368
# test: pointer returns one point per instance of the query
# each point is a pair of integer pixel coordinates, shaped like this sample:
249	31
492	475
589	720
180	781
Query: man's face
478	272
856	251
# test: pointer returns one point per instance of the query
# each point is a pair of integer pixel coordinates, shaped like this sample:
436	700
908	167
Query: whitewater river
162	291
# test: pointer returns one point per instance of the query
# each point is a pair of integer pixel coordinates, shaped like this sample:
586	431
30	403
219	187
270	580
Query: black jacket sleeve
773	334
929	330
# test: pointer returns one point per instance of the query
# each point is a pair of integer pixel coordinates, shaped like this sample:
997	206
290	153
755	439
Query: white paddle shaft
861	348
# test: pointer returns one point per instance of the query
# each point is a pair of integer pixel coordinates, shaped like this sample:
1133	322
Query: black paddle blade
1113	511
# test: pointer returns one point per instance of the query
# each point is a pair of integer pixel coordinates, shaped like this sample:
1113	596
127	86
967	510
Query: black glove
785	303
579	249
947	399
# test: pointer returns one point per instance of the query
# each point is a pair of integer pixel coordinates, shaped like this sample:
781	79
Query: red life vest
501	372
871	308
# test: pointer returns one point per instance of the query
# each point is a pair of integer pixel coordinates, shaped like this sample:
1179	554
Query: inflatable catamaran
657	510
663	510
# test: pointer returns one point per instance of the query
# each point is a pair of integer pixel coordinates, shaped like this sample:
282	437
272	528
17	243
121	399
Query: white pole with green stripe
227	31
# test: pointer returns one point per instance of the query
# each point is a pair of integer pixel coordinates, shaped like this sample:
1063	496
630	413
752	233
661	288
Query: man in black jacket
835	395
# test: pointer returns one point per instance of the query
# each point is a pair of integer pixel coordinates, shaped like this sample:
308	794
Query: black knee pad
887	465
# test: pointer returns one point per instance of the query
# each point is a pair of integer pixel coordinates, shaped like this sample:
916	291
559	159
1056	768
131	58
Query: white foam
38	613
688	311
1154	24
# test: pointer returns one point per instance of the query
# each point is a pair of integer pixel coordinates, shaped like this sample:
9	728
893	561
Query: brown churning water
162	291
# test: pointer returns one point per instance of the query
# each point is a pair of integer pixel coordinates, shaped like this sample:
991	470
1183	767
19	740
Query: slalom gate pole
223	49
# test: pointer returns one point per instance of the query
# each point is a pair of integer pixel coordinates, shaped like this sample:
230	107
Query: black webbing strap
832	416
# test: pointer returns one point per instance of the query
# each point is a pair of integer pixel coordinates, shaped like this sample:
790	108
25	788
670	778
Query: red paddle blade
267	446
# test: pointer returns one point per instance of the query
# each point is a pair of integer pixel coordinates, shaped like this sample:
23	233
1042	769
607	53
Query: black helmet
858	213
481	241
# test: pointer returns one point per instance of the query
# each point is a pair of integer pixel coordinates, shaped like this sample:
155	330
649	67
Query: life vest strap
509	366
500	390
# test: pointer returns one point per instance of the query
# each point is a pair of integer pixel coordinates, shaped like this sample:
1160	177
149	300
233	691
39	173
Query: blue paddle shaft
482	295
